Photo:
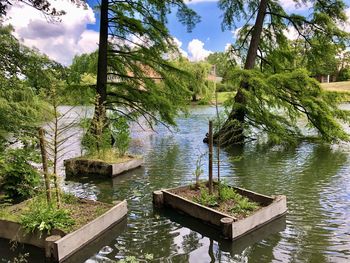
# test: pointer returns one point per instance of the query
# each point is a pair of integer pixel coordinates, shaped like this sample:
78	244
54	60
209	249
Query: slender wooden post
210	157
44	160
219	124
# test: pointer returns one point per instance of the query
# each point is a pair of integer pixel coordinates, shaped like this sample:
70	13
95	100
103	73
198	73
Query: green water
314	177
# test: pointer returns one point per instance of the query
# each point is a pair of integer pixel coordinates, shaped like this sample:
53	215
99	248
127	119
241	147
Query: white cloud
236	32
291	5
346	26
228	47
291	33
197	51
178	43
60	40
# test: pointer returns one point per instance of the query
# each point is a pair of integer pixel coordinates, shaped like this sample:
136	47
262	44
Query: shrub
225	87
116	135
205	198
244	206
121	135
344	74
20	179
226	192
45	218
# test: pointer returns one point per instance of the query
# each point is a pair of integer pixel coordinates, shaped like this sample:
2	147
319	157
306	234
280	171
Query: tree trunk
233	128
99	119
45	167
194	97
55	155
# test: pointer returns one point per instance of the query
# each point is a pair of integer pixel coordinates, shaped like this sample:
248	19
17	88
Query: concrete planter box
79	166
60	246
231	227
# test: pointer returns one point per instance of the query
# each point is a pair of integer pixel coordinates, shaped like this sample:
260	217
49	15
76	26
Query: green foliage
20	178
121	134
197	80
101	145
22	76
68	198
226	87
81	80
344	74
141	78
45	218
97	144
226	192
205	198
199	168
282	86
275	103
243	206
222	63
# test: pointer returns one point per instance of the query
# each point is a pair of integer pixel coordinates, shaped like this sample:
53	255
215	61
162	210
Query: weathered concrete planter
231	227
59	246
79	166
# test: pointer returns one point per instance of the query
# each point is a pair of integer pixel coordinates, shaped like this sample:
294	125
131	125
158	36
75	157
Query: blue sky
77	32
208	30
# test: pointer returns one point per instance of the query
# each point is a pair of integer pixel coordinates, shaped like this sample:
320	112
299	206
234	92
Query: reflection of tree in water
191	242
302	173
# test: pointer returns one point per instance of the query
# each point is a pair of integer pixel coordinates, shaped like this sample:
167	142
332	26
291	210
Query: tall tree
142	81
295	95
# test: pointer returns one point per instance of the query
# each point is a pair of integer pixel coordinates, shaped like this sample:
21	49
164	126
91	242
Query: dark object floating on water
206	139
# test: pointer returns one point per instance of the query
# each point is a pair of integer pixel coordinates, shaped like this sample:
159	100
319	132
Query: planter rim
197	204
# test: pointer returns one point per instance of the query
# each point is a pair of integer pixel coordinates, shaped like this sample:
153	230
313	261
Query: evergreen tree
141	79
264	101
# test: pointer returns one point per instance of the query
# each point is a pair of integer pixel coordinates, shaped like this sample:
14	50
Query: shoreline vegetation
339	87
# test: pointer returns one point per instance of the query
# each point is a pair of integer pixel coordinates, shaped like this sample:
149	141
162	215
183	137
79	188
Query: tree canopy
263	45
42	5
21	78
141	79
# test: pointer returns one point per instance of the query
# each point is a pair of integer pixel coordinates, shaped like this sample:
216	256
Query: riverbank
341	86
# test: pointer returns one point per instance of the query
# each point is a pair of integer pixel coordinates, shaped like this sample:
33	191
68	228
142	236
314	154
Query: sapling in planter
199	170
52	142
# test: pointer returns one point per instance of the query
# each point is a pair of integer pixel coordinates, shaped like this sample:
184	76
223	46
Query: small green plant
121	135
45	218
244	206
69	198
199	170
20	179
205	198
226	192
